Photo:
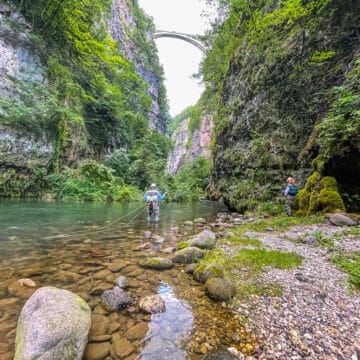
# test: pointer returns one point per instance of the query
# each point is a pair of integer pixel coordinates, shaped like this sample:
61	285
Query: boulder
220	289
342	220
189	269
53	325
206	271
152	304
204	240
188	255
219	355
114	299
157	263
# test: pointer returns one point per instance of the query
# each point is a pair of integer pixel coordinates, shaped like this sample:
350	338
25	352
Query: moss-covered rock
53	324
220	289
183	245
319	196
206	271
188	255
158	263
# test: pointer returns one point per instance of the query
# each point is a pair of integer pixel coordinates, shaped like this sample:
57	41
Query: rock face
53	325
268	131
199	143
17	59
19	63
122	27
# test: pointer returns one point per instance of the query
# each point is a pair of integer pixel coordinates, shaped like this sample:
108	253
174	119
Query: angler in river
152	198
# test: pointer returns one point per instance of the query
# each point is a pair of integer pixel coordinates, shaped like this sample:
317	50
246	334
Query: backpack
152	198
293	190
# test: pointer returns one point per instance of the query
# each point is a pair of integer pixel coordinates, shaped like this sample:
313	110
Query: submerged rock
53	325
188	255
97	351
219	355
27	282
116	298
152	304
121	282
189	269
220	289
158	263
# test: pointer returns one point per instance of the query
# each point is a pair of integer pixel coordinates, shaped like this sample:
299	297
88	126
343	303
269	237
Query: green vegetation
94	105
245	267
273	71
319	196
190	182
350	263
91	182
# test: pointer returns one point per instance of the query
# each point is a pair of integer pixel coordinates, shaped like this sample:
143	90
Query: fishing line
105	227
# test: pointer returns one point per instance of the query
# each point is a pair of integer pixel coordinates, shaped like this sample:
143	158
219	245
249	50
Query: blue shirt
159	196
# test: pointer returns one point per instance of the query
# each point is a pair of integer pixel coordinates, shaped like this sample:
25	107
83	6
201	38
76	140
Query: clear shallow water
69	245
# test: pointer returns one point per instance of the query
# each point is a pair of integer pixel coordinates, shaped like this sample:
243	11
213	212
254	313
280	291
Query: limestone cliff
123	27
19	64
76	90
188	146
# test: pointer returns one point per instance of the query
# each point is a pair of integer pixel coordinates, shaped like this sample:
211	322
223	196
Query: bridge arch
192	39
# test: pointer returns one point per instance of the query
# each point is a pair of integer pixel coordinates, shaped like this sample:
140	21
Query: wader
288	202
153	205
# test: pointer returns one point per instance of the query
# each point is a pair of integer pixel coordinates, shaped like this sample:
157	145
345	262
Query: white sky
179	58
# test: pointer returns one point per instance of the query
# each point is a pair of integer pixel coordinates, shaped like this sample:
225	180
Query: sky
180	59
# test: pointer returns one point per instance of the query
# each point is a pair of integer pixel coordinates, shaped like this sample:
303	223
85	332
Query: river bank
317	314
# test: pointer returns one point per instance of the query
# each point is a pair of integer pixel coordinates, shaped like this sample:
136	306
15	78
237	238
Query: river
67	245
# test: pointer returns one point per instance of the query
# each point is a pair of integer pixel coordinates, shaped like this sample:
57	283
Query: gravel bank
315	317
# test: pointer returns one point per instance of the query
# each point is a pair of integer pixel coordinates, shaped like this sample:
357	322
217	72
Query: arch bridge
192	39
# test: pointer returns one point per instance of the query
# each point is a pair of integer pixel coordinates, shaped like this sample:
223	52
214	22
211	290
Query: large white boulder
53	325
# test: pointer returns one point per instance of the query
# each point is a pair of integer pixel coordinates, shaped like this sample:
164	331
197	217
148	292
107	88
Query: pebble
315	317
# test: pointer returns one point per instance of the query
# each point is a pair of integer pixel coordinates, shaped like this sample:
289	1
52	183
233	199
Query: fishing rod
103	228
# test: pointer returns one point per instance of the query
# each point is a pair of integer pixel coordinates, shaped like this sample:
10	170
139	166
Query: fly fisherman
152	198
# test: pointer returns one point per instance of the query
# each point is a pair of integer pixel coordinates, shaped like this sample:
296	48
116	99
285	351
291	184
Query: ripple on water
88	263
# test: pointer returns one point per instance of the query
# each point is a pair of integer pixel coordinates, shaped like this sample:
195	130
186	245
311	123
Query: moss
319	196
330	200
313	181
154	261
183	245
206	271
329	182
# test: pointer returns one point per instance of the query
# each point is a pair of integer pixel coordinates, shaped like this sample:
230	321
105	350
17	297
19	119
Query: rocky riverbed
314	317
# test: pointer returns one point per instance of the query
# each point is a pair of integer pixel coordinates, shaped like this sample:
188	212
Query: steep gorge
76	88
278	70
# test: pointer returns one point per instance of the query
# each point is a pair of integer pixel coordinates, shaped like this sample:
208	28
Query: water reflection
168	331
85	247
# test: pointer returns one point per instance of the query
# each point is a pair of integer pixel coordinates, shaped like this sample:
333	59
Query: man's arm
161	197
286	191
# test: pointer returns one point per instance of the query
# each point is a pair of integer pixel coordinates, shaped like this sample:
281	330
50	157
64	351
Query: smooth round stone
152	304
